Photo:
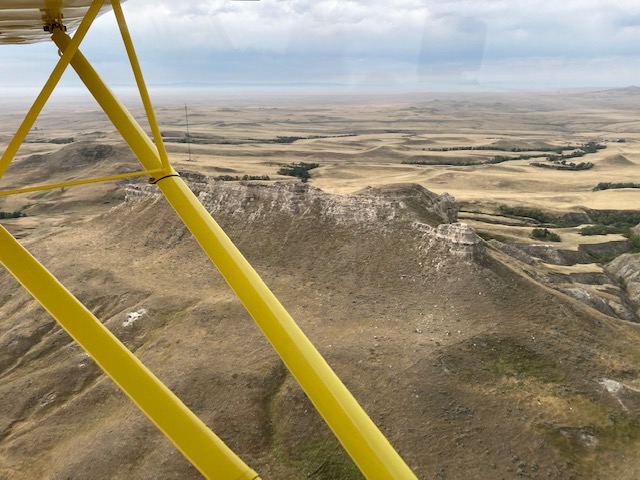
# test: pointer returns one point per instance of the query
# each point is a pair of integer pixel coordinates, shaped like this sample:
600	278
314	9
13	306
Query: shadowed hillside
468	365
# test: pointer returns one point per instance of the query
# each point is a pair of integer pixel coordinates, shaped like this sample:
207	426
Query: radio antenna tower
186	116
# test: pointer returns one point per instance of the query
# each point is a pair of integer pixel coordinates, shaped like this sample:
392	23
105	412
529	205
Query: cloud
453	46
269	25
392	42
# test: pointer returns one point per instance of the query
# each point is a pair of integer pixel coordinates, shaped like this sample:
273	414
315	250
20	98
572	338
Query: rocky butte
466	353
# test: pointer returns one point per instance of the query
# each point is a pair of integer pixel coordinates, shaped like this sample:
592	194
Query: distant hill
631	90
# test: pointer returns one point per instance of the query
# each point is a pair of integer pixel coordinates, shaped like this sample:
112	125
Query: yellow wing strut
74	183
48	88
192	437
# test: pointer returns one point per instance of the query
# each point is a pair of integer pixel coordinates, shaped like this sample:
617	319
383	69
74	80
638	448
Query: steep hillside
467	364
77	161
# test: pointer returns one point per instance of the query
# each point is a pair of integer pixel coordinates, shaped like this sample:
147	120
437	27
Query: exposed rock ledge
626	268
614	291
372	205
462	238
381	207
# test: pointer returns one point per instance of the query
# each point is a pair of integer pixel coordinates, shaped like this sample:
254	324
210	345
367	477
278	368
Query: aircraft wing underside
27	21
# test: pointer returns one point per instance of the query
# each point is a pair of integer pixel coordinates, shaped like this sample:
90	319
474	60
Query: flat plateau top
23	21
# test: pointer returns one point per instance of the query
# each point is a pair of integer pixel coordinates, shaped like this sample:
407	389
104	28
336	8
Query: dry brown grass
383	132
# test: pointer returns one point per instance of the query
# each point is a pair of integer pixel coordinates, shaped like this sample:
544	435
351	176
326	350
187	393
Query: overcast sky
385	45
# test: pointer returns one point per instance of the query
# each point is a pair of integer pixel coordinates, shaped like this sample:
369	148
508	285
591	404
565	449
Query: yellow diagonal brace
48	88
124	122
73	183
366	445
201	446
142	87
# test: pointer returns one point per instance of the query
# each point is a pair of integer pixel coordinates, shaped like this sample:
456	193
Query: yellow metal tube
364	442
142	87
73	183
199	444
124	122
49	86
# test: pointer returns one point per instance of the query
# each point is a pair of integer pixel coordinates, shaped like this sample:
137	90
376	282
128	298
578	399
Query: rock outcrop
381	209
613	305
462	240
626	268
614	291
379	206
606	249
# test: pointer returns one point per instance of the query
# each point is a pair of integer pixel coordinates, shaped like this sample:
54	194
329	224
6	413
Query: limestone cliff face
462	240
458	240
383	209
380	206
369	206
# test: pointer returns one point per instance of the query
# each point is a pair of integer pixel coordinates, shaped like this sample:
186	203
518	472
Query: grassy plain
362	141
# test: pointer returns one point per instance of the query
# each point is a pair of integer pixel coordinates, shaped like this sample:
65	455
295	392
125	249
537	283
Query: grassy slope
466	367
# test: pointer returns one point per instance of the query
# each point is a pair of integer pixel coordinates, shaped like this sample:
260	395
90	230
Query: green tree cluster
609	185
300	170
534	213
545	234
599	230
4	215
